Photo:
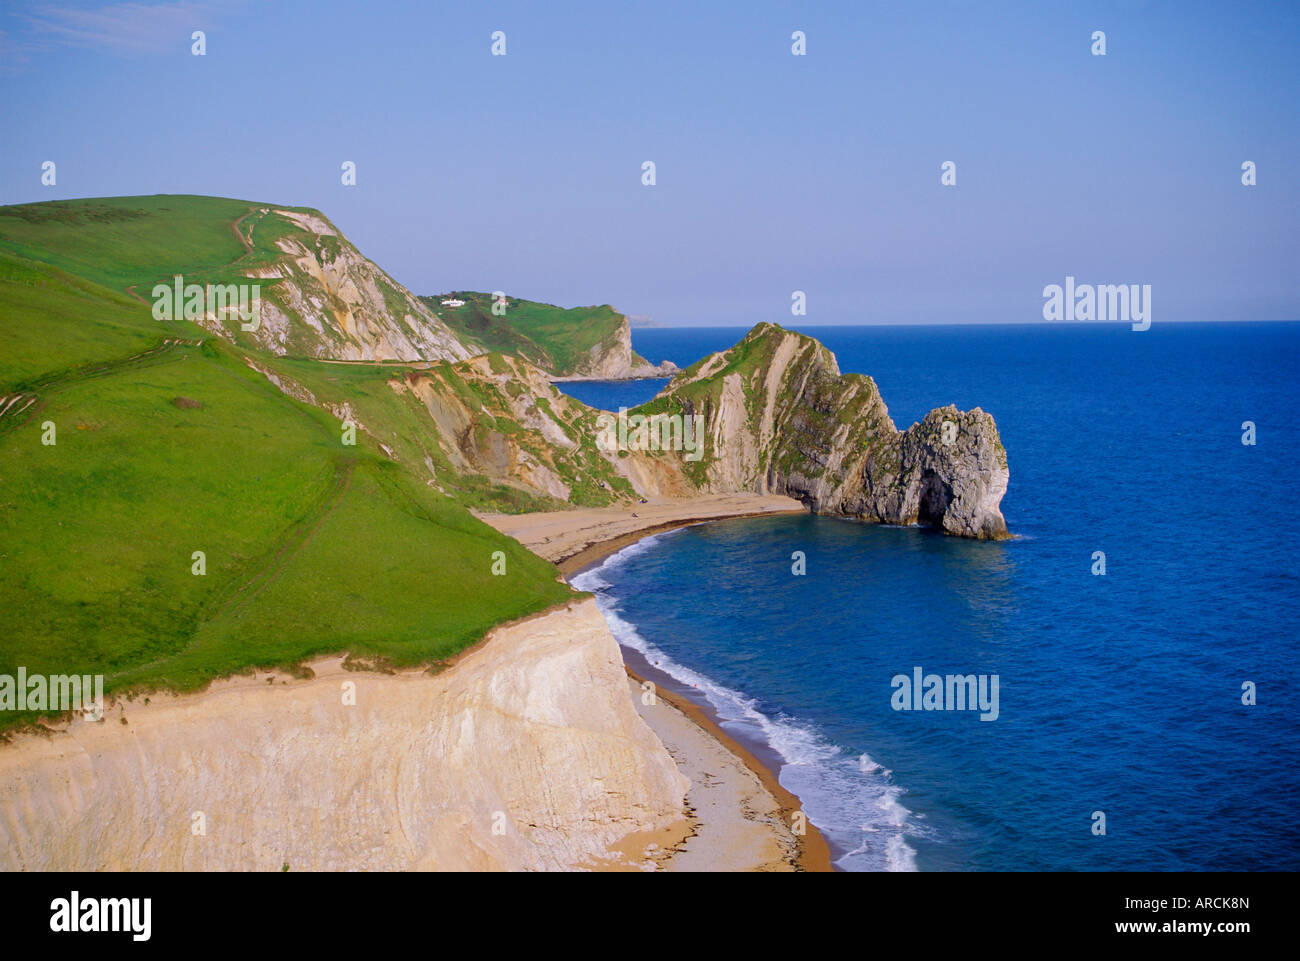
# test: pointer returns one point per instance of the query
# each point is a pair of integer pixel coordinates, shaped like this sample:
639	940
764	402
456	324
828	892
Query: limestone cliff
614	359
778	418
322	298
499	417
491	431
526	755
575	343
781	418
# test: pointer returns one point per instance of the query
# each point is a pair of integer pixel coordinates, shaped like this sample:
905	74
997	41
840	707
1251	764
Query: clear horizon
775	172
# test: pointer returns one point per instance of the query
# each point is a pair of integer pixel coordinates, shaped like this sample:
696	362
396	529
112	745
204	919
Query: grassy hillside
122	241
321	296
54	321
168	443
556	339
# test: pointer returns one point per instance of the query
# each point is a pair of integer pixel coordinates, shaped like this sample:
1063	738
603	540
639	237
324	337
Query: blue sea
1119	694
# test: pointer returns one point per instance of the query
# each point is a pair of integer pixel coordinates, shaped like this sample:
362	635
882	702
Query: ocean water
613	394
1120	693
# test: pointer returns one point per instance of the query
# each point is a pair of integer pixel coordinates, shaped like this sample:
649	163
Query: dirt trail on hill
35	391
290	545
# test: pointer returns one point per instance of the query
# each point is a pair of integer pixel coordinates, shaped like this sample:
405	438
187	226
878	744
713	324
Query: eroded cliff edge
780	418
532	731
573	343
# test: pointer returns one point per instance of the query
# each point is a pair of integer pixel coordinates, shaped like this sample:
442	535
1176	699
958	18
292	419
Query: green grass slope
123	241
168	443
53	322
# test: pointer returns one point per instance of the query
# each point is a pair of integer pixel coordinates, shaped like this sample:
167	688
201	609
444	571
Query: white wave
899	856
590	581
585	580
852	800
868	766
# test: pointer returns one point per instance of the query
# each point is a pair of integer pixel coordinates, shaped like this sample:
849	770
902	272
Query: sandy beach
577	538
740	815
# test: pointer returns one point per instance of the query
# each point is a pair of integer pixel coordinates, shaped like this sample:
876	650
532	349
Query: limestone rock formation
573	343
780	418
953	476
322	298
614	359
500	418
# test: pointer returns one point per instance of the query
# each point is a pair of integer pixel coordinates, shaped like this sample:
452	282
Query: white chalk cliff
525	755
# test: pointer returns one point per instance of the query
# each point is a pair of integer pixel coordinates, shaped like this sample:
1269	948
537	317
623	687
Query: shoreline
814	853
571	539
595	553
653	374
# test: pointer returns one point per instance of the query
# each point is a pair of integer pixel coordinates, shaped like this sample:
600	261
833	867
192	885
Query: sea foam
850	798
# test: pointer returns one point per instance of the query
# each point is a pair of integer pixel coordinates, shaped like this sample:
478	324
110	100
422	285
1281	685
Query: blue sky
775	172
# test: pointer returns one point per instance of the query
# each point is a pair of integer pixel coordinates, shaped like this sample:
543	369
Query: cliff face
526	755
322	298
499	417
780	418
575	343
492	420
614	359
611	358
